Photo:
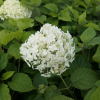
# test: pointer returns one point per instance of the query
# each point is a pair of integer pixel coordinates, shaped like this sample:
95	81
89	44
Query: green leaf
8	26
25	36
11	67
79	62
96	56
97	83
51	6
93	25
28	69
75	14
14	50
87	35
41	19
98	8
96	94
94	41
51	92
1	2
3	61
22	23
26	4
6	36
61	97
21	82
82	18
36	2
65	16
38	80
87	1
4	92
83	78
52	21
89	94
7	75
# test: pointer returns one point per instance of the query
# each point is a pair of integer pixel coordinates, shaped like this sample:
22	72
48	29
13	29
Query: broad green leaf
89	94
87	1
75	14
96	56
52	7
25	36
1	2
82	18
38	80
7	75
6	36
14	50
4	92
36	2
83	78
41	19
21	82
82	4
51	92
22	23
61	97
65	16
52	21
66	28
79	62
28	69
97	83
96	94
26	4
11	67
53	14
93	25
98	8
39	97
8	26
94	41
87	35
3	61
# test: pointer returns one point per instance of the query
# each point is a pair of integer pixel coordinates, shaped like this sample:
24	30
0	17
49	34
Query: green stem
67	87
18	65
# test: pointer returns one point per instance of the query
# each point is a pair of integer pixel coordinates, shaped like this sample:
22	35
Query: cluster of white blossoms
50	50
13	9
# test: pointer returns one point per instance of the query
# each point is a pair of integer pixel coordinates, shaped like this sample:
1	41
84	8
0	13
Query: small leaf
8	26
87	35
94	41
36	2
14	50
83	78
87	1
93	25
97	83
3	61
96	56
65	16
96	94
21	82
38	80
79	62
75	14
51	92
7	75
51	6
61	97
82	18
89	94
1	2
4	92
25	36
41	19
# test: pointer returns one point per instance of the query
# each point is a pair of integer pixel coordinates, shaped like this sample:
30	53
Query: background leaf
83	78
21	83
4	92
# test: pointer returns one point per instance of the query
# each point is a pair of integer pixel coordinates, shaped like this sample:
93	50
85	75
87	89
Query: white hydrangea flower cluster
13	9
50	50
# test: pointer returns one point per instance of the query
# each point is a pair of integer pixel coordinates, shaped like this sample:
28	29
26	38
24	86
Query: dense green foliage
20	82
